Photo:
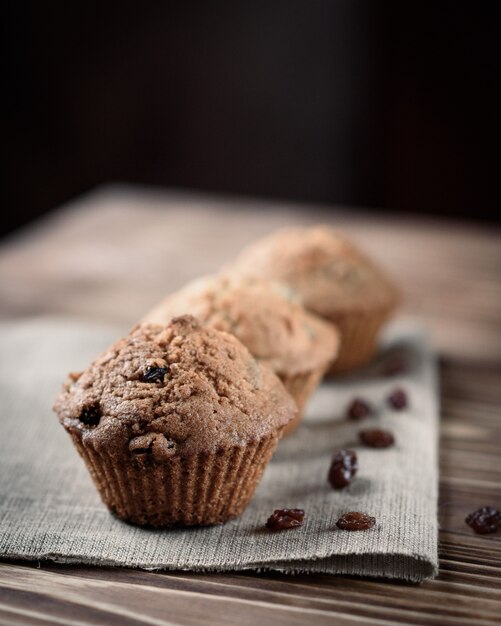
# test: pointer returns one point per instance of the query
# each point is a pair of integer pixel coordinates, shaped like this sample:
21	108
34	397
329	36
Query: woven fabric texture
49	508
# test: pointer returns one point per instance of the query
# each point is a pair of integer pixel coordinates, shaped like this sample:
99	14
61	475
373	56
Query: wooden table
114	253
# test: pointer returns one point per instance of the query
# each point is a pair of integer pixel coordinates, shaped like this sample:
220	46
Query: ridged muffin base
202	489
359	332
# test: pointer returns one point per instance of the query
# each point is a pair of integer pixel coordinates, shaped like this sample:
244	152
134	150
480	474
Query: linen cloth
49	508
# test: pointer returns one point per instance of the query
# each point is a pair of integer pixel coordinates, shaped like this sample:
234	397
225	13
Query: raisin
90	415
485	520
343	468
355	520
153	374
281	519
376	438
359	409
397	399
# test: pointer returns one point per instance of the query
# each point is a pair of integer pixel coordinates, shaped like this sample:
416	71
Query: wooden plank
124	600
129	600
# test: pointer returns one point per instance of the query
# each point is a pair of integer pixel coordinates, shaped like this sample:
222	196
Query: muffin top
264	316
328	272
177	389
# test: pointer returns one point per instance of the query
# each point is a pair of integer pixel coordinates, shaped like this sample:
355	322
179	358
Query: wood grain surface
114	253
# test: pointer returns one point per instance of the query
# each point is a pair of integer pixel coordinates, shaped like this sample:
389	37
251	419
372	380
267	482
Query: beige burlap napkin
49	508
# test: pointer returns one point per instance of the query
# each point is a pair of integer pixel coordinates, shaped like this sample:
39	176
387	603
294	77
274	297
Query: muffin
334	280
297	345
175	423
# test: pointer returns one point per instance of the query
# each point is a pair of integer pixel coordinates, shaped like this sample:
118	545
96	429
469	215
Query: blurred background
390	105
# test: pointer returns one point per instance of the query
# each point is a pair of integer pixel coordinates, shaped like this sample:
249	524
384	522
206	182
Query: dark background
390	105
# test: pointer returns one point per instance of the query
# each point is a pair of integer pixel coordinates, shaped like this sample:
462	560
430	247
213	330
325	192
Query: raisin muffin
175	423
297	345
334	280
